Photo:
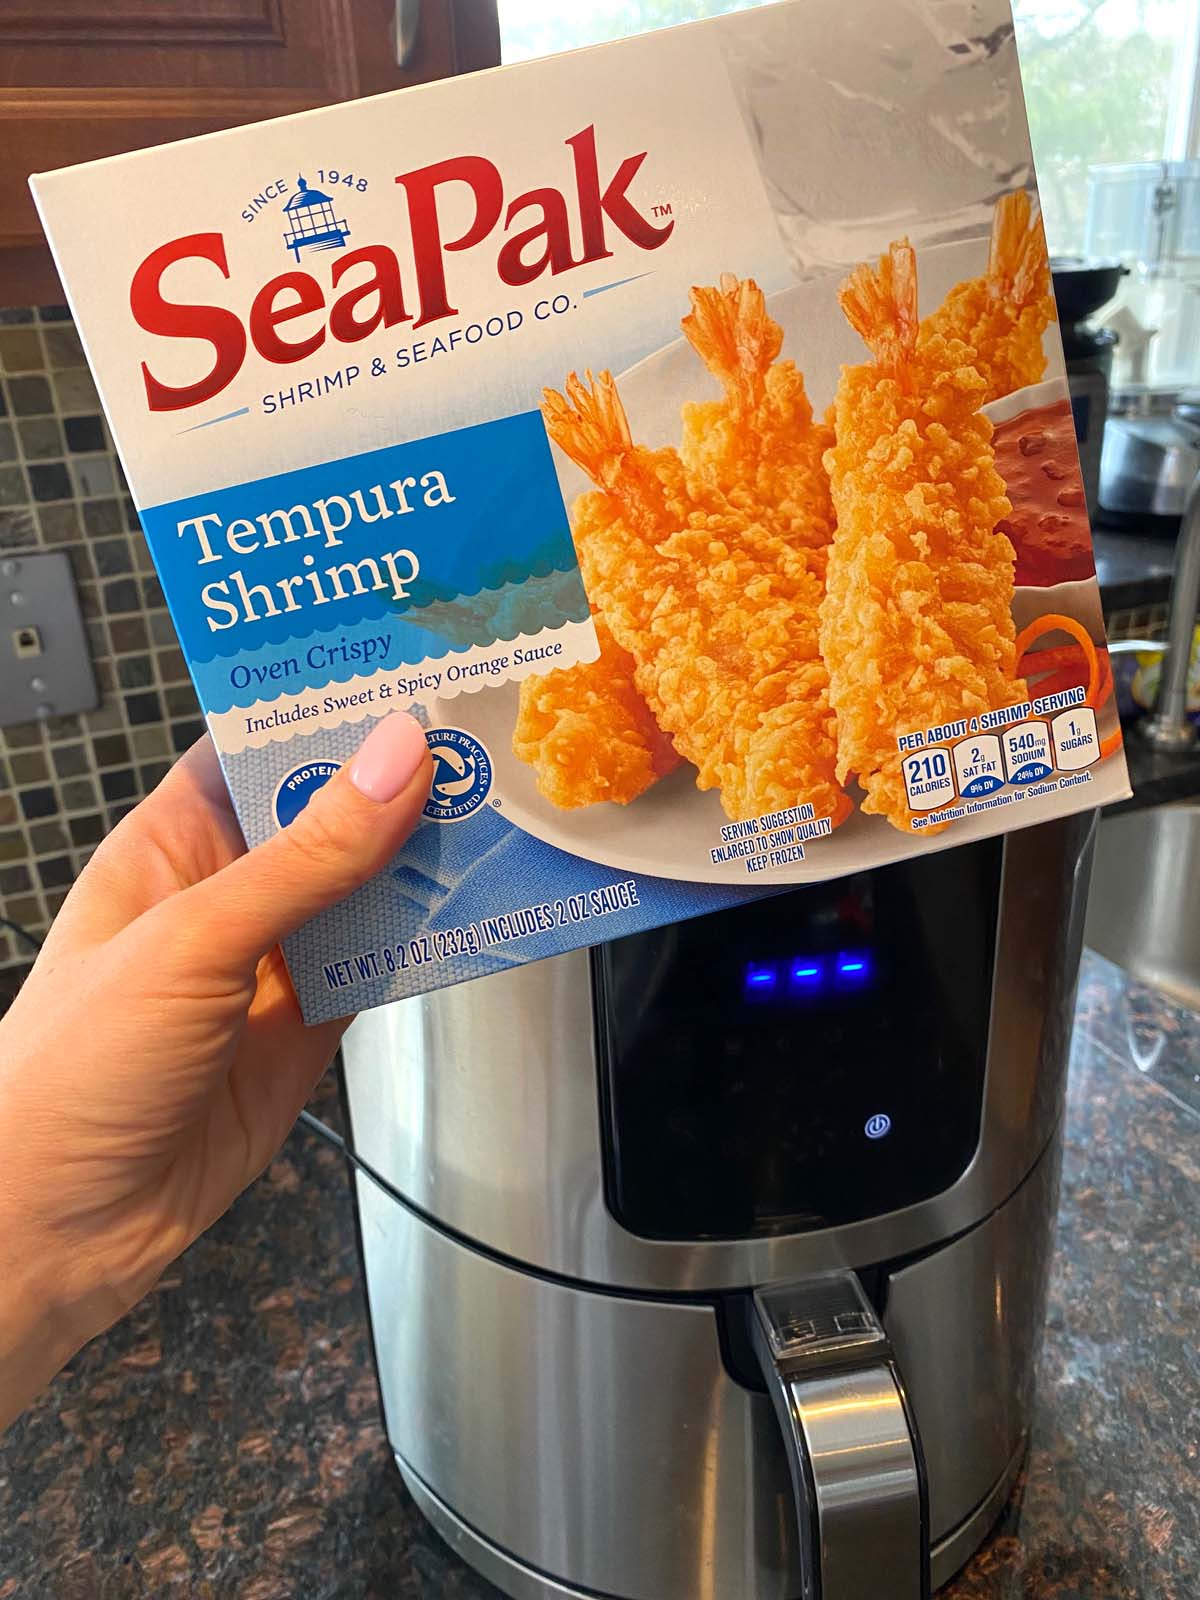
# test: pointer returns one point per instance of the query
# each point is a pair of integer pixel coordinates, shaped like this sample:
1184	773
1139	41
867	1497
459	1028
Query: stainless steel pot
1149	463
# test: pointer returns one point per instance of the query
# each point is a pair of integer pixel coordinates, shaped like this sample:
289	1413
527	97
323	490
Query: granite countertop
1157	777
1134	569
225	1440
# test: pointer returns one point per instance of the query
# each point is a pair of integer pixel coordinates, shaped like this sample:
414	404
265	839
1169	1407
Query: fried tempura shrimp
758	445
717	611
587	732
916	627
1002	316
601	741
751	459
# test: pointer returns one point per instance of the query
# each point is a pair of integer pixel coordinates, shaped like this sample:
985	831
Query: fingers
199	770
348	831
183	831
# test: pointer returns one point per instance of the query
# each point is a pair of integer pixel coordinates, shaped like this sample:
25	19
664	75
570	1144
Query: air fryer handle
855	1462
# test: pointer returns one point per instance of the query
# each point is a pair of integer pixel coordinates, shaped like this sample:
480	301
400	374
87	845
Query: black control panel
803	1061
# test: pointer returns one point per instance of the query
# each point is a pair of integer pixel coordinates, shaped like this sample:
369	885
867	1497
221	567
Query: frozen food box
678	427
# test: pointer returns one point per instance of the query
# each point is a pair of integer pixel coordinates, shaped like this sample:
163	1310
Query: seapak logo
546	229
462	775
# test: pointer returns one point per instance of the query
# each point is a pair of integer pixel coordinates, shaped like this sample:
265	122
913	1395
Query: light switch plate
45	665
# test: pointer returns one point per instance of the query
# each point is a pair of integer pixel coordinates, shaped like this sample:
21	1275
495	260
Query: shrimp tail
1018	270
880	304
732	332
589	424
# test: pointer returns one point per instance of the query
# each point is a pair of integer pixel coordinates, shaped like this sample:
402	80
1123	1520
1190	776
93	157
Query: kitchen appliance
711	1263
1081	288
1149	462
1146	215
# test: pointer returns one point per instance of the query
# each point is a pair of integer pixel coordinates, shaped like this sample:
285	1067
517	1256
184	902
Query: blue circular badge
298	788
462	774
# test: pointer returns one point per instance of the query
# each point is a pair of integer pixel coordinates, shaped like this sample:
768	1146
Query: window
1105	80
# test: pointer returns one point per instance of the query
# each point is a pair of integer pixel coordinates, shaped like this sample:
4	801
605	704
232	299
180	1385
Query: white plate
670	830
1033	395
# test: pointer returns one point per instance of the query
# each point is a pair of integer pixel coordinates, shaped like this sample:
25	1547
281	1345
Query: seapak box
678	427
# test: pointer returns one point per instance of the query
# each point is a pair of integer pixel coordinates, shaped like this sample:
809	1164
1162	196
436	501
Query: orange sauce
1048	524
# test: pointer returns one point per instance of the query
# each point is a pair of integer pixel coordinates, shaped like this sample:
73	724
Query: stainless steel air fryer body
690	1284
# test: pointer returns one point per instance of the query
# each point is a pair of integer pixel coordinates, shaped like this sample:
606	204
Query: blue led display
854	968
761	981
807	975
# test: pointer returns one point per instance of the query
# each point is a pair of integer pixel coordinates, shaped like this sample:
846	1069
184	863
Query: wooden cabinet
80	79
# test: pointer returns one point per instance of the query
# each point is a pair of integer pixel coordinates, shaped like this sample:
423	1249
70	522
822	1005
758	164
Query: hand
155	1058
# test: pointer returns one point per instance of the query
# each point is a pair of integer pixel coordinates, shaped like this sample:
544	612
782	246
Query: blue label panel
330	547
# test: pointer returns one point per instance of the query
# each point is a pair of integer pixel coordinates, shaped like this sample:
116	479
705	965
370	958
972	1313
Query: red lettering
266	316
216	326
373	292
553	228
421	186
384	283
613	203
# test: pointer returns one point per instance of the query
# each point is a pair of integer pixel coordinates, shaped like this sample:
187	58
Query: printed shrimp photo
786	605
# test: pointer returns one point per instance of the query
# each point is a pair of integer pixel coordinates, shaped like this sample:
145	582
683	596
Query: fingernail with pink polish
389	757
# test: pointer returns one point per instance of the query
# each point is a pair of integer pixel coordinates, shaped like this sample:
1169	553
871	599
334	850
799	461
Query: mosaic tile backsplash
64	783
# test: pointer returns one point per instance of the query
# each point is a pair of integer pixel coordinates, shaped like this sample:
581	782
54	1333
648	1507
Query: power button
878	1126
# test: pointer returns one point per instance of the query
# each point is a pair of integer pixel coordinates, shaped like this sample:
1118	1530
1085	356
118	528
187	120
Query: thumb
348	831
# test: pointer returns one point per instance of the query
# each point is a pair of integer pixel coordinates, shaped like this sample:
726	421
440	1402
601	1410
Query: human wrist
35	1341
49	1305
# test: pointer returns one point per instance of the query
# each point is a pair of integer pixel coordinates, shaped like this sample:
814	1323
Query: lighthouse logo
312	222
462	775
